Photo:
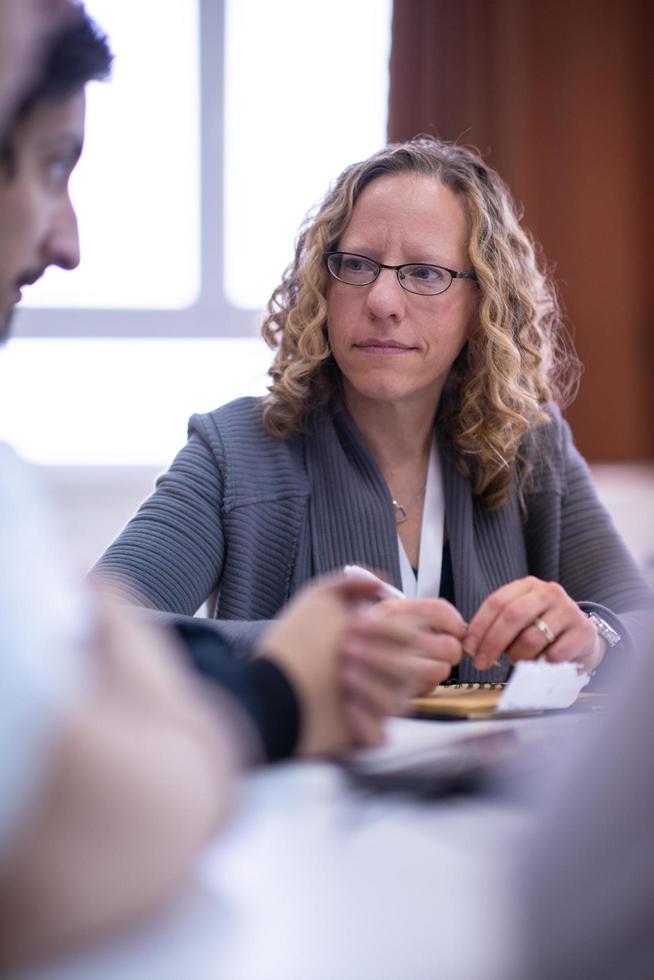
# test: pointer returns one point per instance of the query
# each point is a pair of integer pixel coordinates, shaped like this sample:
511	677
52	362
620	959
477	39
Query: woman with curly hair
412	427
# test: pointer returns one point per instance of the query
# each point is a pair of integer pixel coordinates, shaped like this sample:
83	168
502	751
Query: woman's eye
426	273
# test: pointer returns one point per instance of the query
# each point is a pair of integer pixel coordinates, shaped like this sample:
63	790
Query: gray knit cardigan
247	518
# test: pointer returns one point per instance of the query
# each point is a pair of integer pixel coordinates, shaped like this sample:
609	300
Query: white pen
386	591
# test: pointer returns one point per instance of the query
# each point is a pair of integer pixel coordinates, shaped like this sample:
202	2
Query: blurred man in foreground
115	764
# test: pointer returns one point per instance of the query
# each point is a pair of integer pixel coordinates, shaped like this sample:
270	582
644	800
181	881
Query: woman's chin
386	394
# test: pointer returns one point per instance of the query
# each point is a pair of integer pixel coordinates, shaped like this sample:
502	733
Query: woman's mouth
375	345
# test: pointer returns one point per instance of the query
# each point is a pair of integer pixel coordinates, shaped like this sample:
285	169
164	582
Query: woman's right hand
354	661
432	632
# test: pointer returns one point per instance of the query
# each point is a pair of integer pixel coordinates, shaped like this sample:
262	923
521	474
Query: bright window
137	187
223	124
70	402
306	90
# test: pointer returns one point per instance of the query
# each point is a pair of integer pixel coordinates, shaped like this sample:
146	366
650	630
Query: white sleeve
43	622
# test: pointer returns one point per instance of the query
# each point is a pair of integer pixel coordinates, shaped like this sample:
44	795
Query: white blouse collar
431	537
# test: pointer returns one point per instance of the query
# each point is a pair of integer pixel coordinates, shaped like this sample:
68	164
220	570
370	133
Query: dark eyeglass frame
397	269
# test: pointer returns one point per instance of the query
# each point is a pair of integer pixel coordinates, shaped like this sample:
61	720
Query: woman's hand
433	638
527	618
353	661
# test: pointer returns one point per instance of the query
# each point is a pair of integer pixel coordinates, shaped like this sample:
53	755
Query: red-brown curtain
556	95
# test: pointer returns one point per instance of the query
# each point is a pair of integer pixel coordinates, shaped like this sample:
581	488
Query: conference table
319	876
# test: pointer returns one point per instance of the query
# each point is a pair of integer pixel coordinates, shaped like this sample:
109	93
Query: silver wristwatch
607	632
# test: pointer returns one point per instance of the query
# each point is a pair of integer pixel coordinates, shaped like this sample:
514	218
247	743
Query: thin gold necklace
402	510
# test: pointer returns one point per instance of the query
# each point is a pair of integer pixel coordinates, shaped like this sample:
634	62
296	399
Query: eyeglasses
416	277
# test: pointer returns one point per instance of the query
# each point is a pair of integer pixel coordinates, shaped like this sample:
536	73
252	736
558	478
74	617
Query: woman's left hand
528	618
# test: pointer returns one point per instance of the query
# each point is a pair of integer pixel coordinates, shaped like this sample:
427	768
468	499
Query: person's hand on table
353	663
433	634
308	642
528	618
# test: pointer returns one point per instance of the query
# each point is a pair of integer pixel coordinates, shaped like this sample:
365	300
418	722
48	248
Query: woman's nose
385	297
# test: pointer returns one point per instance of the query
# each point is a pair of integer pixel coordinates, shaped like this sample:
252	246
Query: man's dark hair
78	54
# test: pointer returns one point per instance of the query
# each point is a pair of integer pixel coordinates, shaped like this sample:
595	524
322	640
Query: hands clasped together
354	662
525	619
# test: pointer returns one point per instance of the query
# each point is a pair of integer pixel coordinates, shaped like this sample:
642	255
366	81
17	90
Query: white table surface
315	881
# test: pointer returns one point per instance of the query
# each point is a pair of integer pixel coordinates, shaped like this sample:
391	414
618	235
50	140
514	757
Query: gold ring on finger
541	625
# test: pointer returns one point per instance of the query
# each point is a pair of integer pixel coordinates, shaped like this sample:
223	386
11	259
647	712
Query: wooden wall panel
556	96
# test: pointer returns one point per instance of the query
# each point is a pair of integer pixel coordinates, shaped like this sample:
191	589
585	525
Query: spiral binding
474	685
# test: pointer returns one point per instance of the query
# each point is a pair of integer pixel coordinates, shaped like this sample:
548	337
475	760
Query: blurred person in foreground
583	882
116	765
413	425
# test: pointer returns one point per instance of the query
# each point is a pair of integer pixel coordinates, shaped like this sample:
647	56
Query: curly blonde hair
517	359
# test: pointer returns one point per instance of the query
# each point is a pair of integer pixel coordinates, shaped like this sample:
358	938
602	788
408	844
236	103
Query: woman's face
392	345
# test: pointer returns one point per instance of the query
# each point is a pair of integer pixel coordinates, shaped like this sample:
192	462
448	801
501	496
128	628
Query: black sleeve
259	686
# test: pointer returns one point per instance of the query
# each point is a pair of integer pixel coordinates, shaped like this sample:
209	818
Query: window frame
212	315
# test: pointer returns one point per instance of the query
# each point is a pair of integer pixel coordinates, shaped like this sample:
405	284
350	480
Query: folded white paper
539	684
